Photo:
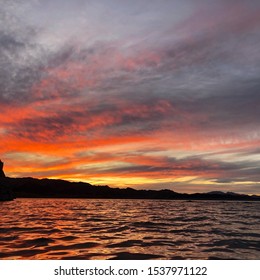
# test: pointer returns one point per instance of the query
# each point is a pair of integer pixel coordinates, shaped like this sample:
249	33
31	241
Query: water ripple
129	229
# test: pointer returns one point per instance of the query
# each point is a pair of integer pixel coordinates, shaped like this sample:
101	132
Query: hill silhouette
53	188
11	188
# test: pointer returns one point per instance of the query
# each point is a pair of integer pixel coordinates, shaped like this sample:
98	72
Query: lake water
129	229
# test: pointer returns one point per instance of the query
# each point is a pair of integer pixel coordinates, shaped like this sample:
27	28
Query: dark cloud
223	113
20	56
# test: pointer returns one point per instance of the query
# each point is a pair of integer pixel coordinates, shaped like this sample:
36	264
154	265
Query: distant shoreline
54	188
151	199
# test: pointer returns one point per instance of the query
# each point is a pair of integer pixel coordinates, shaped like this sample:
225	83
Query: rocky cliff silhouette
6	192
2	174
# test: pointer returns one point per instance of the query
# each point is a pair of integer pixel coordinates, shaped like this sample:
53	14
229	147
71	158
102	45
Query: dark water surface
129	229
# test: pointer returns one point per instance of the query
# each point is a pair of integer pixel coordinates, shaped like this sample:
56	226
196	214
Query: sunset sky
137	93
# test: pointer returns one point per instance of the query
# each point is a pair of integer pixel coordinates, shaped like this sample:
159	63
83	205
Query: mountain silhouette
53	188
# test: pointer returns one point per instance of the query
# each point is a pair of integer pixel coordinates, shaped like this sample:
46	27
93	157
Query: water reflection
128	229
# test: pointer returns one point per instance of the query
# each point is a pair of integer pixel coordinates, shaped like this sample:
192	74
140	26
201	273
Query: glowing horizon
142	94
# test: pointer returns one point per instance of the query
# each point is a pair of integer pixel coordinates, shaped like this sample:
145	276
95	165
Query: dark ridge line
11	188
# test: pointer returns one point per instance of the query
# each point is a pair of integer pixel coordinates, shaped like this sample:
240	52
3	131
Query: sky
145	94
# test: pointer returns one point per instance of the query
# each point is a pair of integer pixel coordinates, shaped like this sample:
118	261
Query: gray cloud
21	56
